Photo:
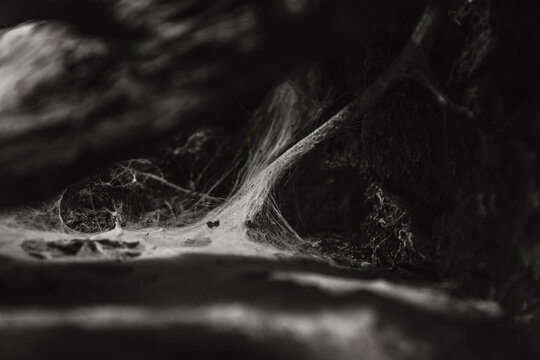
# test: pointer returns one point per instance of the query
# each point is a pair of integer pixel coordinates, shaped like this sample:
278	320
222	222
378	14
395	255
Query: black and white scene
279	179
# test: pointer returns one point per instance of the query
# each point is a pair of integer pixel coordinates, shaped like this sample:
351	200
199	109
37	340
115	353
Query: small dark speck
213	224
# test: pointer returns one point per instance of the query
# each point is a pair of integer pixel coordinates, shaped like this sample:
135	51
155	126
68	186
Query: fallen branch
410	61
254	203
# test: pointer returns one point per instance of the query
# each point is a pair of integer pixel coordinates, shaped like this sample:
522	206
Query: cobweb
203	183
228	185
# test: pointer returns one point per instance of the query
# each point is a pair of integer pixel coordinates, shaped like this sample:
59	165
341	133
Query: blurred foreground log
81	91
